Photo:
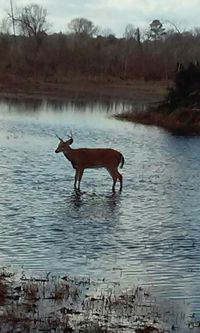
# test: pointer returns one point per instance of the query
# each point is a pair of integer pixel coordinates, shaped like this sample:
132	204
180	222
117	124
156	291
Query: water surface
148	234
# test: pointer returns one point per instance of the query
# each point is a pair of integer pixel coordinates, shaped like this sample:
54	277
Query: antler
71	134
59	138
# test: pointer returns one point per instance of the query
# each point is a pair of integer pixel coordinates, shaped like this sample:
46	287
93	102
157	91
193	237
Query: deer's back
96	157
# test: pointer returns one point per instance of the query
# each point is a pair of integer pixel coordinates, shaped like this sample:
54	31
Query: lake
147	235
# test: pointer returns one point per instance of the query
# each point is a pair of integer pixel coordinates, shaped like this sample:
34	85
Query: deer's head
63	145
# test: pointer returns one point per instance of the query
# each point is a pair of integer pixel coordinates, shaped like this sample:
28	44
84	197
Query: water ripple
149	232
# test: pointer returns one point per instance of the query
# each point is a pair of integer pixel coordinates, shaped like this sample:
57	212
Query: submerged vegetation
65	305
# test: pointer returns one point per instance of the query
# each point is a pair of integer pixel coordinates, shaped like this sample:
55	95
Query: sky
115	14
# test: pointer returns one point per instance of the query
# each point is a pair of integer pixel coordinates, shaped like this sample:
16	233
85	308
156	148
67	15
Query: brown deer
88	158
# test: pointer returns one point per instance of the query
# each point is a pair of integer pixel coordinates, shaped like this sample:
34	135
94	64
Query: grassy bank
183	121
82	87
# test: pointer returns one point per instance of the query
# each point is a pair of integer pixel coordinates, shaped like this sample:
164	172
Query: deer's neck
69	154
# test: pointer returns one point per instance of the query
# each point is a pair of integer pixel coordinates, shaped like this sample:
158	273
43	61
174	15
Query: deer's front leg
76	178
80	174
113	174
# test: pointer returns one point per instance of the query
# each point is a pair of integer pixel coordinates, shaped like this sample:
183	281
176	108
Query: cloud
115	14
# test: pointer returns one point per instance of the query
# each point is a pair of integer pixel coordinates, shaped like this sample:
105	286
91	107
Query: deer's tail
122	161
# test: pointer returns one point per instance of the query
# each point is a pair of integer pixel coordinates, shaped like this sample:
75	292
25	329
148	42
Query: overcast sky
115	14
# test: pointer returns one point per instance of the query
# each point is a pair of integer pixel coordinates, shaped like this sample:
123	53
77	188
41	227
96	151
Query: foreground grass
183	121
65	305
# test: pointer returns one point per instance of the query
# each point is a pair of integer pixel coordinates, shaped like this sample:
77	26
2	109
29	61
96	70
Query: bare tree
5	26
31	21
138	36
175	27
106	32
130	31
82	26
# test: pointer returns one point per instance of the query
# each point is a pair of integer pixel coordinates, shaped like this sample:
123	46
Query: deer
89	158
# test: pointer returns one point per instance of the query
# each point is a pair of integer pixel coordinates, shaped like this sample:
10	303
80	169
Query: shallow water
148	234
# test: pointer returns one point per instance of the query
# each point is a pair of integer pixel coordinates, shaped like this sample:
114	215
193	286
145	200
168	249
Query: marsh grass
65	305
184	121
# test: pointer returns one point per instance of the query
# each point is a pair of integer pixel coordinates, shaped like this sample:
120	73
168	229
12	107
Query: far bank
83	88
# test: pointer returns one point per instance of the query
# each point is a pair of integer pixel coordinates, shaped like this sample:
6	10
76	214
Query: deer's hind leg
119	176
114	176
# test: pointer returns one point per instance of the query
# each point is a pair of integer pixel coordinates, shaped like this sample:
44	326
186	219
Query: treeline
30	50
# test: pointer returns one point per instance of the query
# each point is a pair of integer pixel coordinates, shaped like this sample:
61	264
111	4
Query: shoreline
180	122
138	91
